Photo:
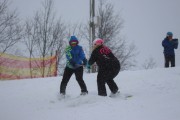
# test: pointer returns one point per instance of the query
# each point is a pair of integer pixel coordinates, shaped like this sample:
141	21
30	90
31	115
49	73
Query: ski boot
114	94
84	93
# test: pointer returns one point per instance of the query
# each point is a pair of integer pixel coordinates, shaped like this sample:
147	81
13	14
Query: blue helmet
169	34
73	40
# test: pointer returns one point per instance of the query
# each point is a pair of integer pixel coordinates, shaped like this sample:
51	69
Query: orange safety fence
15	67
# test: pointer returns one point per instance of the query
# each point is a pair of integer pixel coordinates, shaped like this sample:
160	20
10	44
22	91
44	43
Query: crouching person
109	67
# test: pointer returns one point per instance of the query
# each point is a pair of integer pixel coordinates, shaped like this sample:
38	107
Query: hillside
156	96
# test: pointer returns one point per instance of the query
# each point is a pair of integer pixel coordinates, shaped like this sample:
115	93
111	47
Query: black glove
175	41
85	61
72	62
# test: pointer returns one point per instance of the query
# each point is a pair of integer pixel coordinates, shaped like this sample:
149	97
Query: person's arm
175	41
93	58
164	43
83	56
68	53
69	56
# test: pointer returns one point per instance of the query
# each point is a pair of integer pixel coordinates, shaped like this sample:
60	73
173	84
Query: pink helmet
98	41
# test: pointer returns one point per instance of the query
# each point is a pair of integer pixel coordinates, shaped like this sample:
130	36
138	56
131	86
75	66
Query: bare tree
10	30
110	23
45	26
149	64
109	29
78	30
44	34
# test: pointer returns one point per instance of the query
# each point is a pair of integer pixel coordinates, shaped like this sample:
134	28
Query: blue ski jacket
169	47
75	56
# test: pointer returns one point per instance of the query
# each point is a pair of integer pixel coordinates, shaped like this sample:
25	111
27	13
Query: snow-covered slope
156	96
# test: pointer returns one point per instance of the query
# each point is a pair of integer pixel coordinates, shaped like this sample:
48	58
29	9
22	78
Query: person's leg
79	78
101	84
112	73
112	85
166	59
173	61
66	77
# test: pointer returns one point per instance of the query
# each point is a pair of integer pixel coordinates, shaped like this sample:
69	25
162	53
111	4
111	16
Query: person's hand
170	38
88	66
85	61
175	41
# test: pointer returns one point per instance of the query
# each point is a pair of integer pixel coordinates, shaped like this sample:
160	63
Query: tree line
44	33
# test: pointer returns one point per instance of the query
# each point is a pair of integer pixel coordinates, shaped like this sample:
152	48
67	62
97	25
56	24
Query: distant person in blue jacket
75	60
169	45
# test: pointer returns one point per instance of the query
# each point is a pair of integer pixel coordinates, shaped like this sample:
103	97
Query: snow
156	96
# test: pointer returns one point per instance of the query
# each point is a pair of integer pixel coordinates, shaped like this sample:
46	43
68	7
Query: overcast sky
146	22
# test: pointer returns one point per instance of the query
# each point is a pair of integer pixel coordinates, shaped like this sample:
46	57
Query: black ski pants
169	59
106	76
79	77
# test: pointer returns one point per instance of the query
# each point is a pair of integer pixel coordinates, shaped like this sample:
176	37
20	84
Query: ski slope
156	96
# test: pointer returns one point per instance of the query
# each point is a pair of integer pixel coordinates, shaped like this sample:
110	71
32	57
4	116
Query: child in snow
75	61
109	67
169	45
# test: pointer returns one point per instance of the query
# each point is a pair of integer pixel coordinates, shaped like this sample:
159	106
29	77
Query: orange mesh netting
15	67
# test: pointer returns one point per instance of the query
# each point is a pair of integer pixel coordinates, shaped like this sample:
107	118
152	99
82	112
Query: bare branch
10	30
149	64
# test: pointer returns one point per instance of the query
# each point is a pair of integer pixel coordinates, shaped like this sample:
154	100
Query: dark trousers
67	75
169	59
106	76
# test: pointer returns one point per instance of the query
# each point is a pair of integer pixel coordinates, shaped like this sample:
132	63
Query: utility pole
92	28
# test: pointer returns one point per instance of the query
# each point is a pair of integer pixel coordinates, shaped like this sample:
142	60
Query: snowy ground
156	96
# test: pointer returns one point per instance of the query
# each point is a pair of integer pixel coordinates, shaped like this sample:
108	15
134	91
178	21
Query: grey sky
146	21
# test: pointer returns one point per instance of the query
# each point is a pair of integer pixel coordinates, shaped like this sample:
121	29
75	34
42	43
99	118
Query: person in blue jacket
75	60
169	45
